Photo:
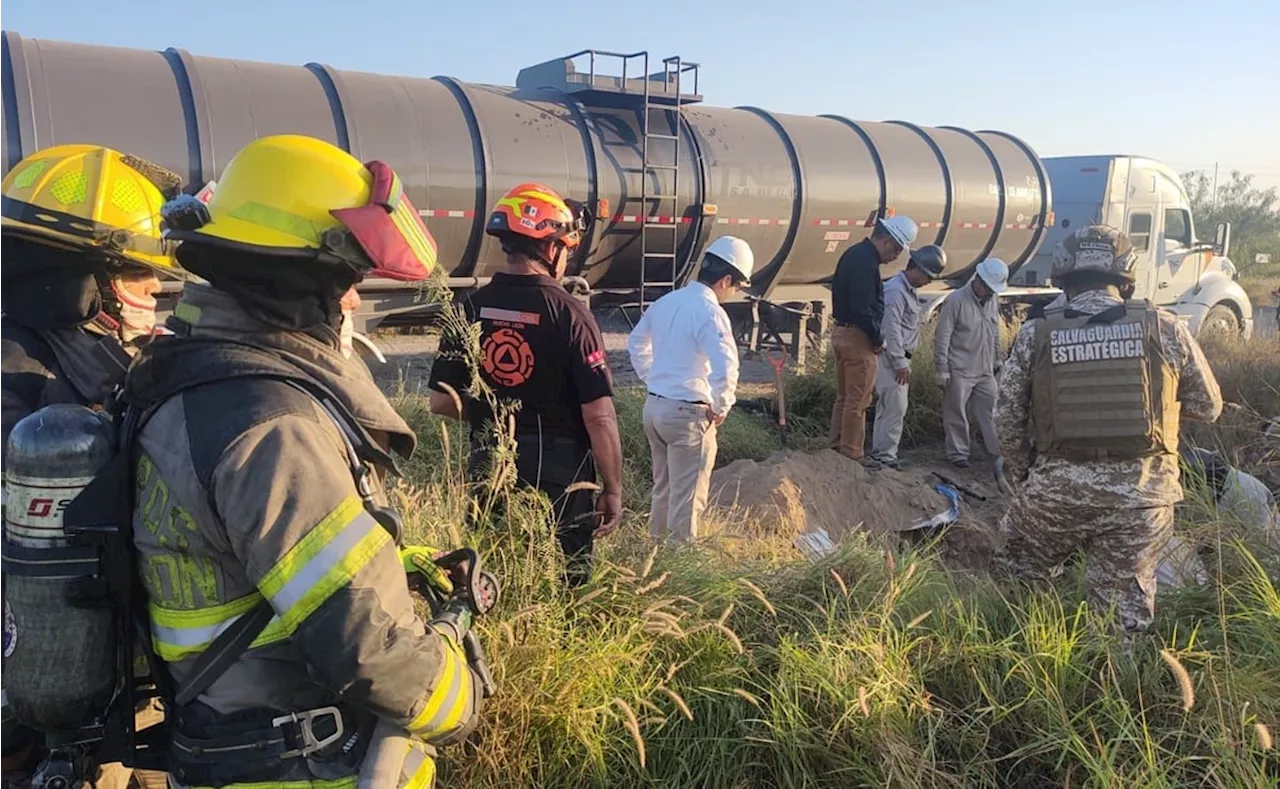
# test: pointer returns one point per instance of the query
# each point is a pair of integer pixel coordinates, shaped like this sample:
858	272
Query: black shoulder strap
225	650
233	642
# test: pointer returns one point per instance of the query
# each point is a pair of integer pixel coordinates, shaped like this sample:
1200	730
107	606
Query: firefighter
82	255
541	348
1090	403
260	507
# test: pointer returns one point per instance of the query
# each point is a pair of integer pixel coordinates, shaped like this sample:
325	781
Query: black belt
257	745
678	400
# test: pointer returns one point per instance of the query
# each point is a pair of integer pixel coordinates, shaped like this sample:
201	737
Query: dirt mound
798	492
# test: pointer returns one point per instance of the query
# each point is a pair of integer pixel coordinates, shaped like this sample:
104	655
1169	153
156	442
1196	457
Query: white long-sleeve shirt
683	349
1245	497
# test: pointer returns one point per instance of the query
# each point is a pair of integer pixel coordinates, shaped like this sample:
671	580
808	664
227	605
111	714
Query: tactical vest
1101	387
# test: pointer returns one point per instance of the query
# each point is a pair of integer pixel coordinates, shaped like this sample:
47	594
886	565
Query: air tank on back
799	189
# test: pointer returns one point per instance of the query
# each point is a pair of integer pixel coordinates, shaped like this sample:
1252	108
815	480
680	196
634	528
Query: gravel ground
409	358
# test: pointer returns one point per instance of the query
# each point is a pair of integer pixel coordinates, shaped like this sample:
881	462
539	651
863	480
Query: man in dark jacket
857	307
80	273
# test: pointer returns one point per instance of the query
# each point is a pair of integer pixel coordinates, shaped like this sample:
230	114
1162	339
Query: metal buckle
310	744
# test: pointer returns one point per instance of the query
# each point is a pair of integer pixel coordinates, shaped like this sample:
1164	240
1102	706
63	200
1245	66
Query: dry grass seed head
1184	679
677	700
844	590
1263	736
633	726
733	638
759	595
647	567
654	584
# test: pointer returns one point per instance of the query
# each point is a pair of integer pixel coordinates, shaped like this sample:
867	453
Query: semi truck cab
1145	199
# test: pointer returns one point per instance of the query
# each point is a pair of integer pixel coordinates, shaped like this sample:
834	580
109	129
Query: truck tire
1221	319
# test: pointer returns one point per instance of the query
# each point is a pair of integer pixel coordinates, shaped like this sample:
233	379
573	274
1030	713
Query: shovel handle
776	357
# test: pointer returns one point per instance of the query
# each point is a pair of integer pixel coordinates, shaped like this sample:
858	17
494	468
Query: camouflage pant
1123	548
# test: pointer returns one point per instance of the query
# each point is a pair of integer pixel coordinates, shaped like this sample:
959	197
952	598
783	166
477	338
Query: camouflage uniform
1120	511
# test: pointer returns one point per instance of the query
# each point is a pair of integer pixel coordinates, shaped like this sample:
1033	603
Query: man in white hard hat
857	308
684	351
900	329
966	354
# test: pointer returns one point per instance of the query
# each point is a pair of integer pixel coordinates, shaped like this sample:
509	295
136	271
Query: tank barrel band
62	562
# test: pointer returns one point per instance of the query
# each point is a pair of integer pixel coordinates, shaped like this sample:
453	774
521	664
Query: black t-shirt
538	345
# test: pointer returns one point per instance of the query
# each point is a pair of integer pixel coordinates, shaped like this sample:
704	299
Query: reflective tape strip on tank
660	219
34	505
738	221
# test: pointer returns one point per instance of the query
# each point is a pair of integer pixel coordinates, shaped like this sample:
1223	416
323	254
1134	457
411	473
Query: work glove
420	559
453	708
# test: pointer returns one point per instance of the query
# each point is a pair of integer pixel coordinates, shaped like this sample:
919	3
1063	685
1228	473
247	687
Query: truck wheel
1221	319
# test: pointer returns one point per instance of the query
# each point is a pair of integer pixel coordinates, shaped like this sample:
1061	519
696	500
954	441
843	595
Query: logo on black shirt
508	358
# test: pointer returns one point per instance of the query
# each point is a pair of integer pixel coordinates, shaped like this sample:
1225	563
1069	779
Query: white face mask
347	333
137	312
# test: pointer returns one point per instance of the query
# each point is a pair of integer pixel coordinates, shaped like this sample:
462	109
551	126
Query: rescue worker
260	509
966	355
900	330
684	351
1092	473
857	309
1236	494
541	348
82	250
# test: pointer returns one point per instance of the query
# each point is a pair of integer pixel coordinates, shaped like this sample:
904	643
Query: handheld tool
458	589
1002	479
778	359
963	489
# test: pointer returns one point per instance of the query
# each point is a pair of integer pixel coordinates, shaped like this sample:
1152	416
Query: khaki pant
855	381
682	440
891	410
962	396
116	776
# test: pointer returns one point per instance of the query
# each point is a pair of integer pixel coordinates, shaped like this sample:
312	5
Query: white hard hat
736	253
995	273
901	229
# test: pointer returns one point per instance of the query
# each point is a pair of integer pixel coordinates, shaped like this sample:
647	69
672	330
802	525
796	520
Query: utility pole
1214	204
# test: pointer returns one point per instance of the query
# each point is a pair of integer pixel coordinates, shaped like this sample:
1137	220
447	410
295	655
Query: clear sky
1171	79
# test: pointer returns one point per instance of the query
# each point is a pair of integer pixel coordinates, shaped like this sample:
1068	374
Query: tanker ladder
660	229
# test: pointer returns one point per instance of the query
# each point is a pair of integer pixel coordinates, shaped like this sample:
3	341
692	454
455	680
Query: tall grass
736	663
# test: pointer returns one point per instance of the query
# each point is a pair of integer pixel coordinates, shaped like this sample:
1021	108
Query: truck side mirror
1222	241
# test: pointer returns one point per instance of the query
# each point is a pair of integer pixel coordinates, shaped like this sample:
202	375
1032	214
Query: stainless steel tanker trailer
665	174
